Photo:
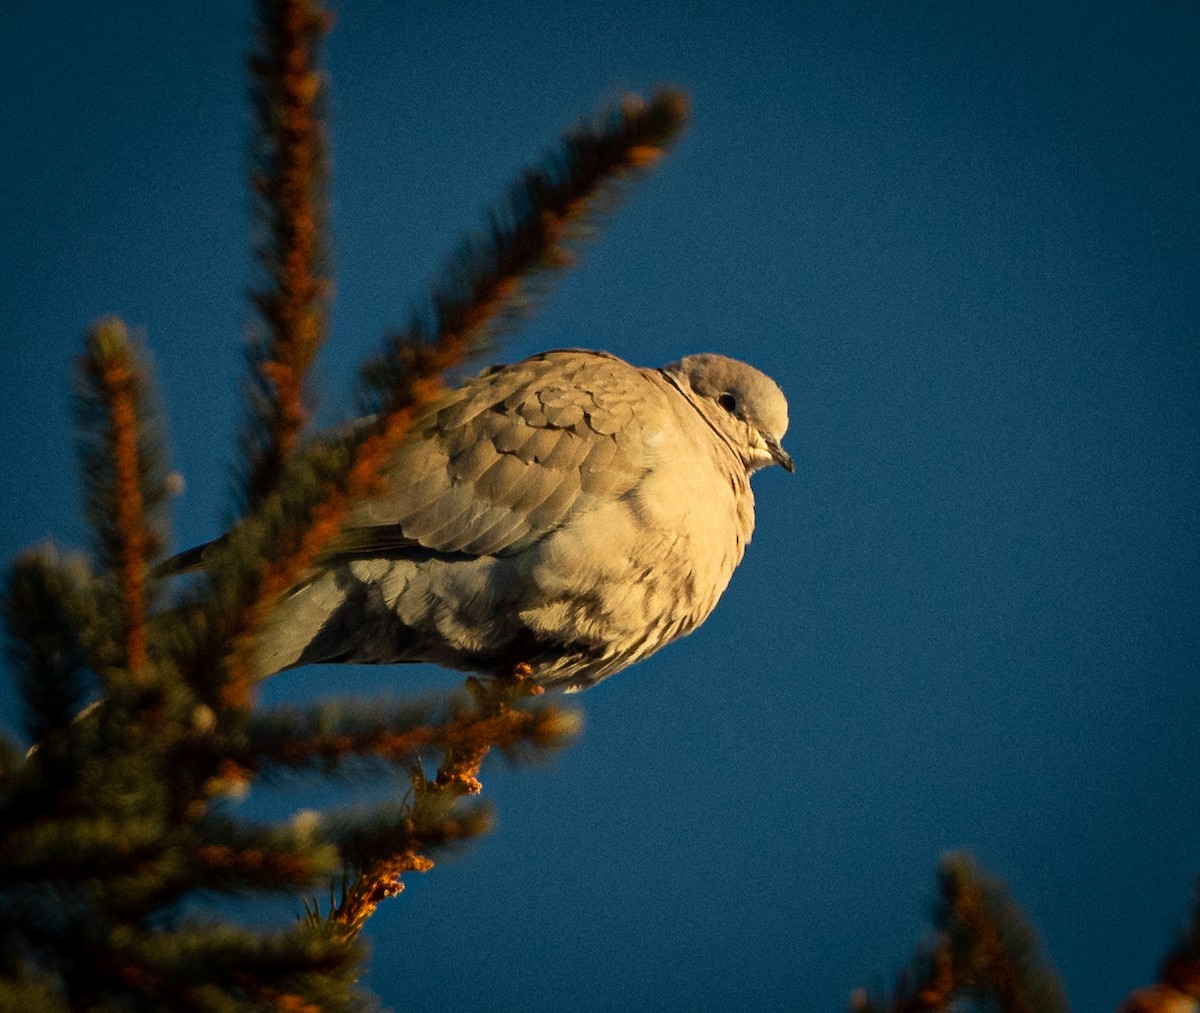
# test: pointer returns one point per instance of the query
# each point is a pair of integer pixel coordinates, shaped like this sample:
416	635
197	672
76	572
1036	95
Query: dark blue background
963	237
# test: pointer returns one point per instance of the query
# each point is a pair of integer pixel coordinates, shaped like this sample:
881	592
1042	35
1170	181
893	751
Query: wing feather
512	455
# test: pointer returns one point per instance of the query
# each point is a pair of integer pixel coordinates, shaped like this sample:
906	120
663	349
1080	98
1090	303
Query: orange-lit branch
382	880
1162	997
466	741
937	990
110	364
992	946
325	523
272	863
993	963
488	717
288	184
928	988
360	900
464	734
984	948
493	279
285	1002
1178	987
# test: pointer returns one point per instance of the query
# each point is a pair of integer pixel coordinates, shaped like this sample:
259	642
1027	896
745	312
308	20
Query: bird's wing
512	455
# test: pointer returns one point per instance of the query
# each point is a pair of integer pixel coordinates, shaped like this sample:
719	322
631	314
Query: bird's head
741	403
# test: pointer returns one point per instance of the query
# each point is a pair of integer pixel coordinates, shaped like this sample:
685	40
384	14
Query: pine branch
78	849
48	603
495	721
26	987
984	951
125	484
218	615
340	737
289	179
234	856
494	279
199	965
1178	987
329	738
928	985
383	849
280	970
992	943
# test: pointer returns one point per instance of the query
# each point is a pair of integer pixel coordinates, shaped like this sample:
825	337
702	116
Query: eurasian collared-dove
570	511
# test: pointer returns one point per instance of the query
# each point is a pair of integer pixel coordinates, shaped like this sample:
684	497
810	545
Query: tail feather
293	634
189	561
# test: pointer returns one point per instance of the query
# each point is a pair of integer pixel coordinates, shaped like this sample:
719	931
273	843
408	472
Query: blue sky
965	239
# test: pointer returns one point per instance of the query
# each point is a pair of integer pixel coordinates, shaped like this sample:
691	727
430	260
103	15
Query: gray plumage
570	511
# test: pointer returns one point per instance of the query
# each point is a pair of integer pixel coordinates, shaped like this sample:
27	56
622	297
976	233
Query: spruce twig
329	743
1178	987
492	282
928	985
289	179
984	950
495	719
48	604
123	475
993	947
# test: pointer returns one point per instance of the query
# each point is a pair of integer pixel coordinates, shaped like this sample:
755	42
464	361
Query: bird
570	513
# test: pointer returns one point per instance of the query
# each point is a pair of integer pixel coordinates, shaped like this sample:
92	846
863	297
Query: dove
569	512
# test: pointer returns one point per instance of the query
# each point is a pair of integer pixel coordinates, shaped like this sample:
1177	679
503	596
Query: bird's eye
728	402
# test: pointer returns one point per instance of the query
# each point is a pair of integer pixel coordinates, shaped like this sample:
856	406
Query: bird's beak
779	455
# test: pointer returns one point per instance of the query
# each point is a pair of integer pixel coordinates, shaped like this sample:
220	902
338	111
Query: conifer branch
362	898
76	849
1178	987
241	962
26	988
123	475
334	477
493	280
48	605
289	178
233	855
992	943
383	851
928	985
333	738
984	950
495	721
